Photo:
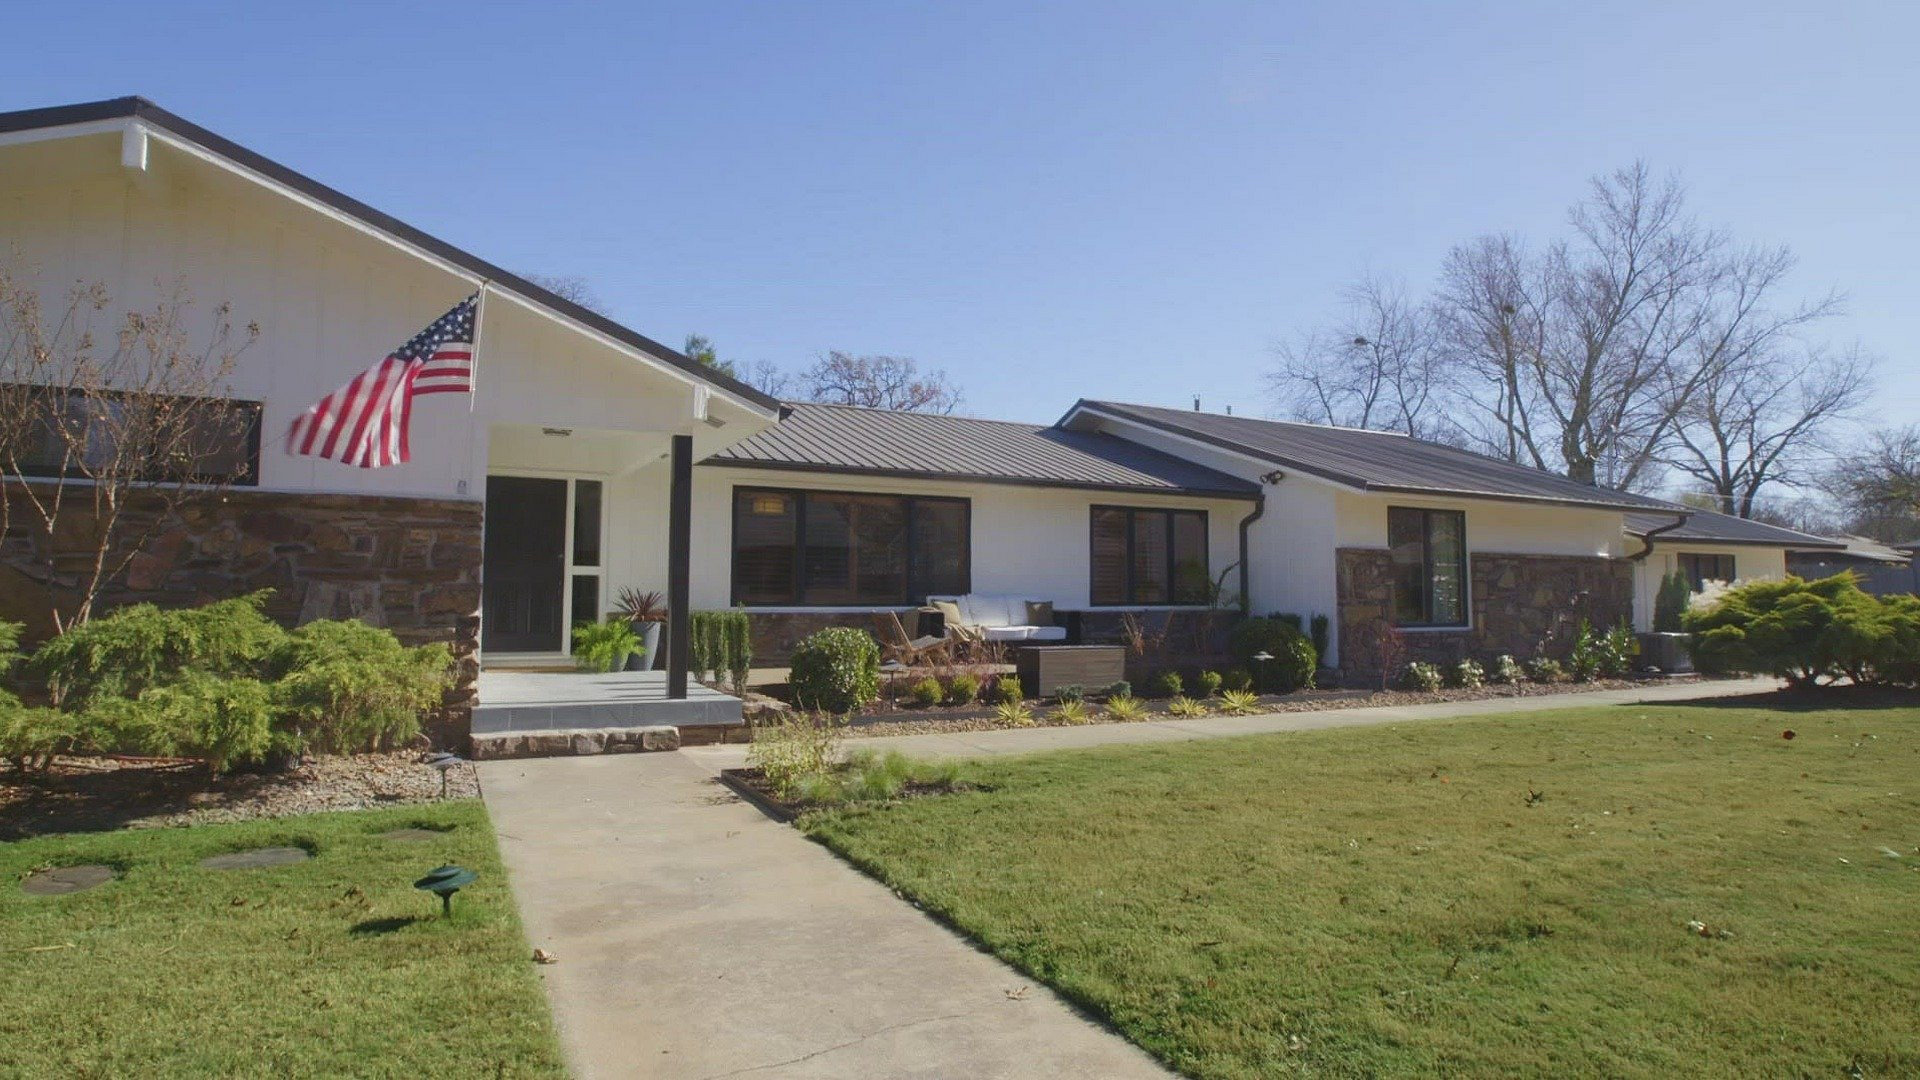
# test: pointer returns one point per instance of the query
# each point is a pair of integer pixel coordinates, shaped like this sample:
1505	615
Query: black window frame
1428	515
1173	577
799	497
248	477
1689	564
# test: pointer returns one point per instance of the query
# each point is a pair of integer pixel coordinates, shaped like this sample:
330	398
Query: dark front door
525	564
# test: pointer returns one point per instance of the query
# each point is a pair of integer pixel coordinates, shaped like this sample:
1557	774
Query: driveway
698	939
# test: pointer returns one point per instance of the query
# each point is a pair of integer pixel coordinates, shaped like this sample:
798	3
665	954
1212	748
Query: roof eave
721	461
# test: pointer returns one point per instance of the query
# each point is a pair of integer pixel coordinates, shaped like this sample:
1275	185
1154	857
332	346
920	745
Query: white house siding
1506	527
1750	563
1031	542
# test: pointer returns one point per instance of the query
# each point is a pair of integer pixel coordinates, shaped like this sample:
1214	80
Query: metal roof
1375	460
882	442
1709	527
139	108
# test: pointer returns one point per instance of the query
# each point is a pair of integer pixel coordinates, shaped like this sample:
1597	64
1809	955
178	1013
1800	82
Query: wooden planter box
1044	669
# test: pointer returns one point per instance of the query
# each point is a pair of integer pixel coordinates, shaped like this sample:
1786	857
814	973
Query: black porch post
679	557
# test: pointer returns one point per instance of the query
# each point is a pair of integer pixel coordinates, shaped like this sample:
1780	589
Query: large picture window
1143	556
1429	550
832	548
75	435
1701	569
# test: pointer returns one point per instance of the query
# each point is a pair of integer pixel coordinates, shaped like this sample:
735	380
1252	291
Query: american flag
365	422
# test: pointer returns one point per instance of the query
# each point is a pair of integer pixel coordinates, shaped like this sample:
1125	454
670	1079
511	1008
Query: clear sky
1050	201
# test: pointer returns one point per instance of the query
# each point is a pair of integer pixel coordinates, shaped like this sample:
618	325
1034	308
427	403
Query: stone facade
1520	605
775	633
411	565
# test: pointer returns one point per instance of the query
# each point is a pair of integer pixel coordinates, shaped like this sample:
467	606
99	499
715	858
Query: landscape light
443	882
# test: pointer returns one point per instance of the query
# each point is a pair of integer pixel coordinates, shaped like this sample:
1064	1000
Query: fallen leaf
542	956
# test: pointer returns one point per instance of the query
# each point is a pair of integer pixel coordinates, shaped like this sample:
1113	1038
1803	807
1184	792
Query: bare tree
573	288
1759	420
1885	478
1377	366
1585	354
878	382
96	426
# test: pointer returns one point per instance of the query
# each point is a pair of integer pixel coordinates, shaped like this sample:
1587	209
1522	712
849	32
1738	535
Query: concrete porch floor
554	700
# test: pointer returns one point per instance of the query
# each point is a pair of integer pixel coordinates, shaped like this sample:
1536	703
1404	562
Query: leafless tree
1377	366
1760	419
1885	478
571	287
1584	355
878	382
96	425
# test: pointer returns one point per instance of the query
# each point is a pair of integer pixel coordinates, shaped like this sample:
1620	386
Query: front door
525	565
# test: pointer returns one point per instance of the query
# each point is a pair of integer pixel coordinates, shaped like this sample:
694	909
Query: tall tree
878	382
1885	477
1377	366
571	287
760	374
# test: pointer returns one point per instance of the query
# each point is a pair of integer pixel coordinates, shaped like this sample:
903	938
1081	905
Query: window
1429	552
830	548
1142	556
224	446
1701	569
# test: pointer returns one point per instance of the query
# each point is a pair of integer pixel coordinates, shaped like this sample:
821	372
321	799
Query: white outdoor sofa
985	617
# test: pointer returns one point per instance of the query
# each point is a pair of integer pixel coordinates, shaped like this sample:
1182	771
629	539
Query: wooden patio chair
896	645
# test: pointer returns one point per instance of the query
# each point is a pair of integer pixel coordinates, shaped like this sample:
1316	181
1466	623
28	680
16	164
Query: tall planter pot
648	659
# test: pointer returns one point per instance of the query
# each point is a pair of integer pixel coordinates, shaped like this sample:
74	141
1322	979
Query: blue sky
1049	201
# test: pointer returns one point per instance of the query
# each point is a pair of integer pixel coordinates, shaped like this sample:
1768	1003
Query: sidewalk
1032	740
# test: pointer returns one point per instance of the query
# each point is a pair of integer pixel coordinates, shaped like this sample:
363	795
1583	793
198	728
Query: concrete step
574	742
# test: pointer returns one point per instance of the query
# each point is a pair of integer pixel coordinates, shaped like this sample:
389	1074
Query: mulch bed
97	794
937	719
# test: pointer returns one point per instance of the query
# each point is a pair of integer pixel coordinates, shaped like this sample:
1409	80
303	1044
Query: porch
562	700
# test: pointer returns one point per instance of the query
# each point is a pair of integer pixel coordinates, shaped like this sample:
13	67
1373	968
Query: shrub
1505	670
1806	631
1294	658
963	689
1070	692
1186	706
720	643
1125	707
604	646
794	750
1121	688
1072	711
927	691
1165	684
1014	713
1617	651
1670	602
343	686
738	653
1545	669
1420	675
1289	619
1236	679
1318	632
123	653
223	721
836	669
30	737
1584	662
1207	683
1006	690
1240	702
1467	674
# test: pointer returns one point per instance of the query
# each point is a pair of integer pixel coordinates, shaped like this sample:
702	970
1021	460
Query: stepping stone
62	880
258	857
414	835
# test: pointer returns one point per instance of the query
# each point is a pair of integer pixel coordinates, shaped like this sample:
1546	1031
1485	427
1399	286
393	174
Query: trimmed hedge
1809	631
835	670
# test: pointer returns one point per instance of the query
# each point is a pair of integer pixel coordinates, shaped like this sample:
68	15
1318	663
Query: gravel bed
93	794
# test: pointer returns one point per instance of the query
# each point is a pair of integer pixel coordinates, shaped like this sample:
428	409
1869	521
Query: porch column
679	557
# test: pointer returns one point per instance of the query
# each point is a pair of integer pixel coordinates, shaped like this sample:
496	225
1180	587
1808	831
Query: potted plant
645	612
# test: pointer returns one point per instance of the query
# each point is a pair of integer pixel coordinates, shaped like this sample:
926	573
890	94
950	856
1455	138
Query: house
567	474
591	459
1707	546
1882	568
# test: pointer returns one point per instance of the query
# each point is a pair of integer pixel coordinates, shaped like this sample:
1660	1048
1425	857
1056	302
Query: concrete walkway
698	939
1033	740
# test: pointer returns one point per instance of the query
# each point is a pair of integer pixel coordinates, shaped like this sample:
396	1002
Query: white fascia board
65	131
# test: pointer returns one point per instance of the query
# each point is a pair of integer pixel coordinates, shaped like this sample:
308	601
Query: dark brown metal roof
147	112
882	442
1705	526
1374	460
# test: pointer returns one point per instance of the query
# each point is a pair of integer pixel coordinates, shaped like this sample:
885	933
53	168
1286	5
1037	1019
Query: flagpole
479	333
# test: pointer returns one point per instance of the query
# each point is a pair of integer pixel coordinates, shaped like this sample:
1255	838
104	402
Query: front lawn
334	966
1494	897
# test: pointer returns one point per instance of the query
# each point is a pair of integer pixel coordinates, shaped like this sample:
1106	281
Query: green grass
1388	900
331	967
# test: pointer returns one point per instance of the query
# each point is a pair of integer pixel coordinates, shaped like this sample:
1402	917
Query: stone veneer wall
775	633
1518	603
1189	635
409	564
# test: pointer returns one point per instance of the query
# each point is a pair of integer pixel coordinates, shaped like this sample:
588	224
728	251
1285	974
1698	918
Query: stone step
574	742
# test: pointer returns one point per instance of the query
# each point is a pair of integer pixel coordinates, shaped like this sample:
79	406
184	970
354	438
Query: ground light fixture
443	882
893	668
441	762
1259	658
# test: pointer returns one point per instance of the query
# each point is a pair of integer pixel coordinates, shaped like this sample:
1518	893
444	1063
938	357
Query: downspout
1647	537
1246	524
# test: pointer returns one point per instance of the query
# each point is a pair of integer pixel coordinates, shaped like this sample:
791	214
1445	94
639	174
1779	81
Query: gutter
1647	537
1246	524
